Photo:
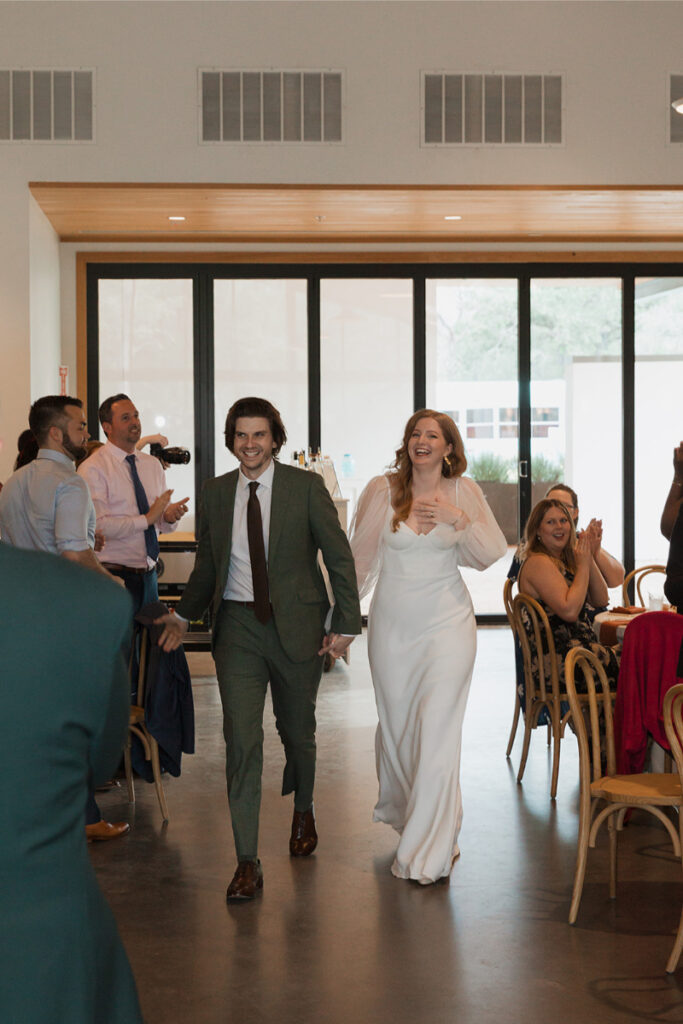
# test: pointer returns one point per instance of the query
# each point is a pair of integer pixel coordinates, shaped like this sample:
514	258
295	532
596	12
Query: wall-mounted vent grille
491	110
271	106
46	105
675	119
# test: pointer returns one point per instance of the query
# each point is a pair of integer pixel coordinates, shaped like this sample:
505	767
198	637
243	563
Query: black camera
171	456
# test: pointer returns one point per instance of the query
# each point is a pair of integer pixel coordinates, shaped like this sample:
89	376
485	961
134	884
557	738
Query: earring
446	460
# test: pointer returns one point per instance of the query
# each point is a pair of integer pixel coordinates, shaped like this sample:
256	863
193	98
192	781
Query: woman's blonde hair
532	543
402	479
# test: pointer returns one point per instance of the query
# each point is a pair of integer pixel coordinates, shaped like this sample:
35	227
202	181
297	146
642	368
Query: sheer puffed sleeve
481	542
366	532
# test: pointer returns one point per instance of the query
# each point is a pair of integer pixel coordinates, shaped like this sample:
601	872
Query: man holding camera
132	502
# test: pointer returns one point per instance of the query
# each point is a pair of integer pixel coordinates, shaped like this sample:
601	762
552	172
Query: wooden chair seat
659	789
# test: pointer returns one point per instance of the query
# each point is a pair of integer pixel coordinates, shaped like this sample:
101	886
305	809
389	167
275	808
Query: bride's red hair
402	478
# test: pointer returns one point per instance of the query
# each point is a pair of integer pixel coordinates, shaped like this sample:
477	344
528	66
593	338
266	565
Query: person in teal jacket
64	694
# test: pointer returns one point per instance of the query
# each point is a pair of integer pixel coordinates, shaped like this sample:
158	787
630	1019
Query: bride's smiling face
427	446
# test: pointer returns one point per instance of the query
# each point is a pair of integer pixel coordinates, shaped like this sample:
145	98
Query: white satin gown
421	645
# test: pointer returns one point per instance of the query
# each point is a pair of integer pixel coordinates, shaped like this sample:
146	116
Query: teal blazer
303	521
65	708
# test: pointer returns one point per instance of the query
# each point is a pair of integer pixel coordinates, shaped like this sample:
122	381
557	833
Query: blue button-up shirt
46	506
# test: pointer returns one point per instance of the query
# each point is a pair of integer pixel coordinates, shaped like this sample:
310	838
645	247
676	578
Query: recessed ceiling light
678	105
176	218
453	216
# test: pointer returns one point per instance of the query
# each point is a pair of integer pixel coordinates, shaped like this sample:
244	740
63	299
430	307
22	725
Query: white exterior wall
615	58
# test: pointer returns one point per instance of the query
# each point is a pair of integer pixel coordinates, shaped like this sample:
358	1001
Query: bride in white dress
411	531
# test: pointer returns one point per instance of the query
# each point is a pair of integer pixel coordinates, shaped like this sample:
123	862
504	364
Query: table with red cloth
648	667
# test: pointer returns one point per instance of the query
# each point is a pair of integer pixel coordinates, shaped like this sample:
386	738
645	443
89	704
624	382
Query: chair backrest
597	754
538	647
637	576
673	723
507	601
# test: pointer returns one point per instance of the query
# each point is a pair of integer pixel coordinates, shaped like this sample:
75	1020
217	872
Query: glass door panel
261	349
472	375
658	425
576	397
145	351
366	375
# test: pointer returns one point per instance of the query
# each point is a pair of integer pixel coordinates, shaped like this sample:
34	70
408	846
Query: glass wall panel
472	375
261	348
366	371
576	397
658	422
145	336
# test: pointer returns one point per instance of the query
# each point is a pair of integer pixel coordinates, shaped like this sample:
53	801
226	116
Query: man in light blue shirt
46	506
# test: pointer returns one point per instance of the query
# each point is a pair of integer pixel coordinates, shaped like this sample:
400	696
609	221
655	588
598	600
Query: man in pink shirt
132	502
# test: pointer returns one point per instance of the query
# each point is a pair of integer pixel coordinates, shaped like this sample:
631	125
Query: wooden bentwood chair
636	576
138	728
507	602
604	795
535	636
673	723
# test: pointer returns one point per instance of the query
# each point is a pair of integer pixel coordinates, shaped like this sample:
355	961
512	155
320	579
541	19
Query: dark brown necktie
257	556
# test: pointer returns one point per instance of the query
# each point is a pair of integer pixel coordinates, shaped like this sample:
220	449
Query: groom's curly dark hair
255	407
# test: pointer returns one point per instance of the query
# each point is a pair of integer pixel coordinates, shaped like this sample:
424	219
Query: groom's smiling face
253	445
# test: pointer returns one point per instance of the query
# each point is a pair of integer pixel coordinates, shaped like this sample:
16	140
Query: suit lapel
278	512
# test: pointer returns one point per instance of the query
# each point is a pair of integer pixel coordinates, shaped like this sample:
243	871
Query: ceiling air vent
491	110
45	105
271	106
675	119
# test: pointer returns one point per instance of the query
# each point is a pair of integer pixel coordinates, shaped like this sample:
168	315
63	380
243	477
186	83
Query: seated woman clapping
611	568
559	570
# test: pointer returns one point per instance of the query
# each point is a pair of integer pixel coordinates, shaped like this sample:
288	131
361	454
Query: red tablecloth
649	660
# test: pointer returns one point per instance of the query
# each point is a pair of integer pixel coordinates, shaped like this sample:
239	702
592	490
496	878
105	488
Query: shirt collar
118	453
49	453
266	478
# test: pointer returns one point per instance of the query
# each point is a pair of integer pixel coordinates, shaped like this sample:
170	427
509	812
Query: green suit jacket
303	521
65	707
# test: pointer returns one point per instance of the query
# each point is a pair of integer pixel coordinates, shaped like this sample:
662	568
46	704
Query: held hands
173	633
429	513
176	510
335	645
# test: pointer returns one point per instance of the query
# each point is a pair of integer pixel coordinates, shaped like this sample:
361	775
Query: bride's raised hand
439	511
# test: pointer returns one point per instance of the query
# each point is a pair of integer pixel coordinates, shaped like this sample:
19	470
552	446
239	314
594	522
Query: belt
242	604
113	567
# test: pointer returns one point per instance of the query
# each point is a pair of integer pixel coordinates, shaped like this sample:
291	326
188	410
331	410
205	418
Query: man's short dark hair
50	411
255	407
104	412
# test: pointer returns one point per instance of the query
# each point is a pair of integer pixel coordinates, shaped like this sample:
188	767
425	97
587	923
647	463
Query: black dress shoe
304	837
247	882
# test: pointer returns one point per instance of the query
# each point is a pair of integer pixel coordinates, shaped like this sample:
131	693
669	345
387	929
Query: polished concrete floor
336	938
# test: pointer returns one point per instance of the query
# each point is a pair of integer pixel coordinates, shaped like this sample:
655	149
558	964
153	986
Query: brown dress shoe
247	882
102	830
304	837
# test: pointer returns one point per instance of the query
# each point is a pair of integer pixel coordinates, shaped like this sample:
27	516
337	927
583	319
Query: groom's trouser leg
294	688
243	675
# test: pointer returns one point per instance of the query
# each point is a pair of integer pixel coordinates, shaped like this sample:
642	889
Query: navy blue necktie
151	539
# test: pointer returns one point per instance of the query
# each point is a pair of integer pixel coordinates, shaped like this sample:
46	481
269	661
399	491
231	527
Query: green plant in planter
546	470
490	467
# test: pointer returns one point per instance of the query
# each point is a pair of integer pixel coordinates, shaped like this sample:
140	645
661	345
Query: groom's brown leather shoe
247	882
304	837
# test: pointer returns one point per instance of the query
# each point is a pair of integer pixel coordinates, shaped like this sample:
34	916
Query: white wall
615	58
44	305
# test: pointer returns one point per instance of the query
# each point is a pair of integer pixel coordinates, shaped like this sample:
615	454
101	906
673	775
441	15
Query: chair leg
513	728
581	858
557	736
672	962
525	746
156	771
128	769
612	833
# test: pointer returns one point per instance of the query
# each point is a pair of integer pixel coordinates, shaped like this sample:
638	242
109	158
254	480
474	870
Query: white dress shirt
240	586
108	476
45	506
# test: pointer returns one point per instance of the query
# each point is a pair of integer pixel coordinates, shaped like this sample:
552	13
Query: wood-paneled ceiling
360	214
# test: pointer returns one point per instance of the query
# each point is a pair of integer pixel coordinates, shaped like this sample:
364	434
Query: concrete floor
336	938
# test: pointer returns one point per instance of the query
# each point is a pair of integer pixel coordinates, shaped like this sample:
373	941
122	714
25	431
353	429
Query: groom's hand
173	633
336	645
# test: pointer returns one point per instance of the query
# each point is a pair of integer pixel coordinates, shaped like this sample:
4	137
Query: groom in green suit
261	529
